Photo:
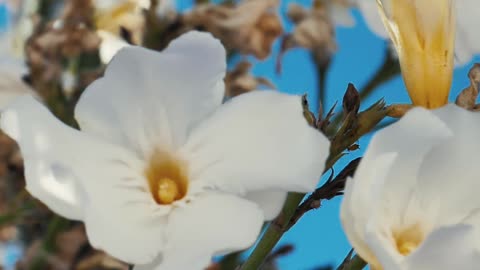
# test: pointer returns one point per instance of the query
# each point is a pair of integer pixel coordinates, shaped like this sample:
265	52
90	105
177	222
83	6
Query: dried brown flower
240	80
468	97
249	27
68	36
314	31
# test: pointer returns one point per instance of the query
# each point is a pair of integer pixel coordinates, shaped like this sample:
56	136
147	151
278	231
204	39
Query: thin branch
327	191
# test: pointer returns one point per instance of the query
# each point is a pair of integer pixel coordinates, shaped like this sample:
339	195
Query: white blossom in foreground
413	203
161	174
467	39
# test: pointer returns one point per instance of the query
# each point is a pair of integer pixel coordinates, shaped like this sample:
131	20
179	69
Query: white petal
467	41
447	248
148	99
82	178
372	17
126	227
11	84
452	166
356	208
257	141
271	202
209	225
411	139
32	126
382	189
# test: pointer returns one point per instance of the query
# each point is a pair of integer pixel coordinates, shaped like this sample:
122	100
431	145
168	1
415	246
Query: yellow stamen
407	240
423	32
167	178
167	191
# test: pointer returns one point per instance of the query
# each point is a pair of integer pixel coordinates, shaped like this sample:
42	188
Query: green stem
321	67
277	228
230	261
356	263
273	233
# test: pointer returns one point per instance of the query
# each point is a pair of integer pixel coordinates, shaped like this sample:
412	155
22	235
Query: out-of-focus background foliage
53	52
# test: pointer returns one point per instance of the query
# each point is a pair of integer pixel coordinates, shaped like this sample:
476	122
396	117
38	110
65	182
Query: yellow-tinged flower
413	201
423	32
111	16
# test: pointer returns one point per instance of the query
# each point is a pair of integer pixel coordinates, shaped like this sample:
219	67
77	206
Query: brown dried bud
309	116
398	110
351	100
467	98
314	31
240	80
249	27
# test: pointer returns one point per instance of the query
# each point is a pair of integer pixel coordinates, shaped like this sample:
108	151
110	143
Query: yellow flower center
407	240
167	178
167	190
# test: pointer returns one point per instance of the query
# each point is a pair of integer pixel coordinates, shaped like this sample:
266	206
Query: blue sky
318	237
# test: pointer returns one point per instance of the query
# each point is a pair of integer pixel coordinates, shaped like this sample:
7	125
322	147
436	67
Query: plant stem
364	122
356	263
277	228
321	66
273	233
230	261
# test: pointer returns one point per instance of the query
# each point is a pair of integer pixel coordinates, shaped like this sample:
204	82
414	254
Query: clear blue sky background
318	236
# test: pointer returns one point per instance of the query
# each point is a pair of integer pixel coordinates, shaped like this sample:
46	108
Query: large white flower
413	202
467	41
161	174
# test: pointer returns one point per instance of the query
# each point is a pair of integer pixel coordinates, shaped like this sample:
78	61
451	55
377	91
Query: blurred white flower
340	12
19	26
413	202
163	6
12	42
129	14
467	39
11	87
161	174
110	45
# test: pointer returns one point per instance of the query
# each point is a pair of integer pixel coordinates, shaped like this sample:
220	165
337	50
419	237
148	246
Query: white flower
467	40
161	174
413	203
162	9
110	45
12	43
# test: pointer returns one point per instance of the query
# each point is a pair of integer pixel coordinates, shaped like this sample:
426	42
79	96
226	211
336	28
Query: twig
327	191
